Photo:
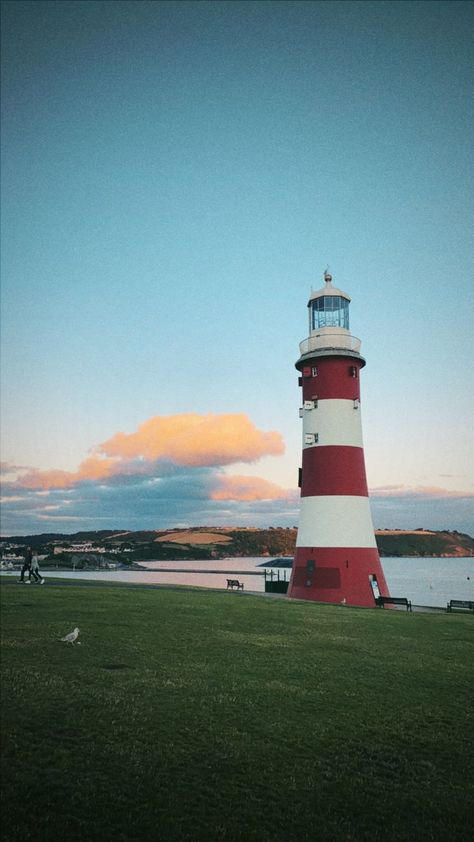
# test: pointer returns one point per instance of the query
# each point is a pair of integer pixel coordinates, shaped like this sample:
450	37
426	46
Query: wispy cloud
11	469
415	507
419	491
248	488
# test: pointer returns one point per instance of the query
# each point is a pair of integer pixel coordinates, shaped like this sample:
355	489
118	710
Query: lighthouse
336	558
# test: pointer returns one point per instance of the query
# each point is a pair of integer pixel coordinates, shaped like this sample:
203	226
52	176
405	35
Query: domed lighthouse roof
328	289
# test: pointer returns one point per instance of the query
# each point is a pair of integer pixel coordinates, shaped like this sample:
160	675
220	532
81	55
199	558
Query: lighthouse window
311	438
314	371
330	311
310	565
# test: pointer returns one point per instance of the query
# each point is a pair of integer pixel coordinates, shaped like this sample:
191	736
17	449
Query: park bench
461	604
234	583
393	600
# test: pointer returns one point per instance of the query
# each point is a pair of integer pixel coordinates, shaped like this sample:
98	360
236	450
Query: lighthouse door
374	586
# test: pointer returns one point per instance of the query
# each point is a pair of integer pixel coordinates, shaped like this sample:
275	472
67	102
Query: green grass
197	715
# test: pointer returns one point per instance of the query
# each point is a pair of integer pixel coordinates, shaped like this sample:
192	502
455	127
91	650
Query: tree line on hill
129	547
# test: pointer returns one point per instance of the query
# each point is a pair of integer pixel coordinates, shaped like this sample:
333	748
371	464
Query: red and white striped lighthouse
336	557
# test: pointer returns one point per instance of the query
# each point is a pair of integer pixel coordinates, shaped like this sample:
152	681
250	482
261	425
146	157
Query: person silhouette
26	566
35	571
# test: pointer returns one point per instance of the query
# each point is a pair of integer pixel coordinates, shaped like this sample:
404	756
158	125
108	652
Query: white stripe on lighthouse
335	521
335	421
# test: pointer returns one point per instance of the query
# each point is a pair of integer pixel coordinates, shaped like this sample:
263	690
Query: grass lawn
203	715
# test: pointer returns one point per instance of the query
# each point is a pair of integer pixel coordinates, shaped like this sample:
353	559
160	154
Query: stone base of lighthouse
334	574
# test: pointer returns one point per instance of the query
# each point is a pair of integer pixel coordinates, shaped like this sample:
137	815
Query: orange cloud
185	440
45	479
196	440
247	488
93	468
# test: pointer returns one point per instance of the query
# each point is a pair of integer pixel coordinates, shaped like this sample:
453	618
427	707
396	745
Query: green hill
206	542
424	543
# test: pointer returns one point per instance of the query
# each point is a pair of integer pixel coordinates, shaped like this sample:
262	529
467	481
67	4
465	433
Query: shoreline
282	562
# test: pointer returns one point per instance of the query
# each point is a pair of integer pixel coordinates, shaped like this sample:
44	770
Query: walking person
26	566
35	571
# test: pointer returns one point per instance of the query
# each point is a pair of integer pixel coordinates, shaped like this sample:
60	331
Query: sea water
430	581
425	581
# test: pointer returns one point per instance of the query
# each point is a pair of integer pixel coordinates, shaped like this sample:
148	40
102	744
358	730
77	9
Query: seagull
71	637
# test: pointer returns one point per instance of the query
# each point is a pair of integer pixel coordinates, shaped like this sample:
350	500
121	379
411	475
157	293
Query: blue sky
176	178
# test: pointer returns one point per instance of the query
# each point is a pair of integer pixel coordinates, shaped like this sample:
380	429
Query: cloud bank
430	507
170	471
183	440
173	471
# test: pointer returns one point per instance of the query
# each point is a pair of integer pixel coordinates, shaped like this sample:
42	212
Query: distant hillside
208	542
424	543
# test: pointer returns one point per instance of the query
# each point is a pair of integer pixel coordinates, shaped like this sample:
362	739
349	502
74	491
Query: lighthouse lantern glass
330	311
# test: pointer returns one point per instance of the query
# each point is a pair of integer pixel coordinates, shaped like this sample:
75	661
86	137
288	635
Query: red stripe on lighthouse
334	378
334	470
332	574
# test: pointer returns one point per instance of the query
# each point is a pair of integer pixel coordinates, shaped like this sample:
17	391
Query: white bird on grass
71	637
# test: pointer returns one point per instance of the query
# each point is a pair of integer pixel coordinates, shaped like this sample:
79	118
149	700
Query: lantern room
328	307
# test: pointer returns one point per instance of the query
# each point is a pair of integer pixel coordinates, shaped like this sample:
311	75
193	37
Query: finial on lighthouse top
328	288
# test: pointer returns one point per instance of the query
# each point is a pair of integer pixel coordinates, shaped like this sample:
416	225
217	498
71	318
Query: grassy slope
215	716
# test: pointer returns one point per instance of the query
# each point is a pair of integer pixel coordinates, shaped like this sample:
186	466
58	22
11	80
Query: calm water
426	581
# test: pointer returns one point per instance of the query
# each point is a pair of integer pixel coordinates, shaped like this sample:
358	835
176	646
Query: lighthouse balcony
329	338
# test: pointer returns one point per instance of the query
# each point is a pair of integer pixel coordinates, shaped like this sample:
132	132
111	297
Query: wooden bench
461	604
393	600
234	583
